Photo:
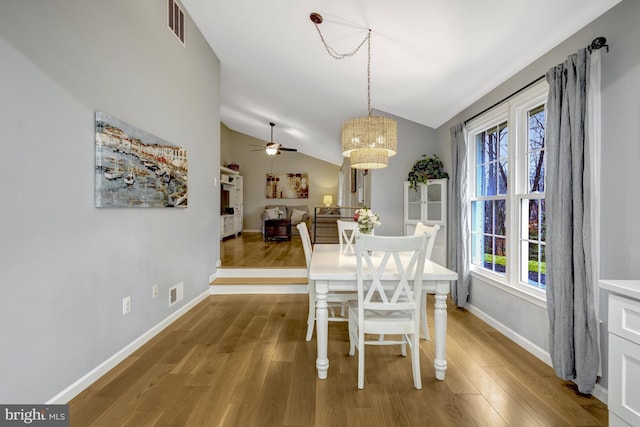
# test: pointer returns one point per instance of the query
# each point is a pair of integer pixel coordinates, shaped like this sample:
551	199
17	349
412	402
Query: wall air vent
176	19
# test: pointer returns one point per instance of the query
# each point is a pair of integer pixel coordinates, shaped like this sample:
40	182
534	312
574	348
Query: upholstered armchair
296	214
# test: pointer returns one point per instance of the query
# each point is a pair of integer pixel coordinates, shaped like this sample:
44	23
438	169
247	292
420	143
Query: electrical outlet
154	291
126	305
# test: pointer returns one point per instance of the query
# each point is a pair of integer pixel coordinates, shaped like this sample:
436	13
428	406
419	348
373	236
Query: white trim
90	377
261	272
532	348
257	289
599	392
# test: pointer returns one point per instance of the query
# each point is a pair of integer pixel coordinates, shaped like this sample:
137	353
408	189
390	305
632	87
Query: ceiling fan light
370	132
272	149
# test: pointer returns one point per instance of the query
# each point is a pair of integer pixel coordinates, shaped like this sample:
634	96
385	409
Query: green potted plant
425	169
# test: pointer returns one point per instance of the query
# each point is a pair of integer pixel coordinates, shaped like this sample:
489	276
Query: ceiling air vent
176	20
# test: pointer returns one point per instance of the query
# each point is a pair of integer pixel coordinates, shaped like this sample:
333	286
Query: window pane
500	255
503	136
501	217
534	225
502	177
488	252
477	216
488	217
533	265
536	149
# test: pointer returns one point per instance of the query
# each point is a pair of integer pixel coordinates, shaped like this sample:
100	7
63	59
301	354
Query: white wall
66	265
620	228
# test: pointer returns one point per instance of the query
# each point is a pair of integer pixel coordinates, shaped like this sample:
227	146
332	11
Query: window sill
534	296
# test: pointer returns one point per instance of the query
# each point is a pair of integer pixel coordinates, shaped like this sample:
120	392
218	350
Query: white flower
366	220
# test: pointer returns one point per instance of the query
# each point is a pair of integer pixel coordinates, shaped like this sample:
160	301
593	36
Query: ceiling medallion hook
316	18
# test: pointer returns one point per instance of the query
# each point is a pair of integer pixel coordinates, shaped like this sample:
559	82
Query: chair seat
383	322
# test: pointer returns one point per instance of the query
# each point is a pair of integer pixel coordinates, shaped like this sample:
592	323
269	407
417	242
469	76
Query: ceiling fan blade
288	149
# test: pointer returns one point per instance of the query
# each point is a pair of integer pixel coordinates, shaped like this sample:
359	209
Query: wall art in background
287	186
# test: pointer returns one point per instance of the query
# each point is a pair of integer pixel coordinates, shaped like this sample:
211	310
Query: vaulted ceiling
429	59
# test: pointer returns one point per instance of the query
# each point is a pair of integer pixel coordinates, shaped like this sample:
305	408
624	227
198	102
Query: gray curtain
573	341
458	230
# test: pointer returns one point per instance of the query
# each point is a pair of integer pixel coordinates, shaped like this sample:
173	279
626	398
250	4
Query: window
507	172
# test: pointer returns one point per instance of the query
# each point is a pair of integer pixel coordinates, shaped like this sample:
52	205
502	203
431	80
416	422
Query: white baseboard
89	378
599	392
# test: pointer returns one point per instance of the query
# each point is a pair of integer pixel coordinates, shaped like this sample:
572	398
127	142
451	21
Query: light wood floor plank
241	360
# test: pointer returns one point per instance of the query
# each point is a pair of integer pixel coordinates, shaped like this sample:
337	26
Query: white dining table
333	269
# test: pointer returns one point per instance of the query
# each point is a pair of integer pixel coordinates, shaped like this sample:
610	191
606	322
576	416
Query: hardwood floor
249	250
241	360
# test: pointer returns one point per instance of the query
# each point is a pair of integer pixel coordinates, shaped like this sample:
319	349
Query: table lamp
327	199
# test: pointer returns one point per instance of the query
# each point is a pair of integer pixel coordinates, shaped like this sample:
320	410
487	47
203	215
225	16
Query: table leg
322	328
440	315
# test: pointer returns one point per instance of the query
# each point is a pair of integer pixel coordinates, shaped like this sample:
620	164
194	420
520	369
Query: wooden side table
277	229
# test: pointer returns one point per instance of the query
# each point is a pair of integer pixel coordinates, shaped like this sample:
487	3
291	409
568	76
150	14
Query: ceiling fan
273	148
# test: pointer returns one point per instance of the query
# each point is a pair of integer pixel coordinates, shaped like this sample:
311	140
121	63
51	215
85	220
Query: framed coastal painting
287	186
137	169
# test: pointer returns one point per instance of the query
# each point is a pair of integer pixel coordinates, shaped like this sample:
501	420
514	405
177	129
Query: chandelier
367	141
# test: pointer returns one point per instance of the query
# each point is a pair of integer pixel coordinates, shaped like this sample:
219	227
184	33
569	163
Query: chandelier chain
335	55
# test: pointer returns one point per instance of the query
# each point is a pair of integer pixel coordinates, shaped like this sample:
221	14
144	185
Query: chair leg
415	361
361	347
352	337
423	318
403	346
311	319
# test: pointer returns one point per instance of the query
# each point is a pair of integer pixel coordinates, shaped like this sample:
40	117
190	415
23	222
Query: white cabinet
428	204
624	351
231	202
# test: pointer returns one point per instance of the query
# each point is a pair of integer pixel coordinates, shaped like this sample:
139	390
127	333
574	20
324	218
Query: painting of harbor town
137	169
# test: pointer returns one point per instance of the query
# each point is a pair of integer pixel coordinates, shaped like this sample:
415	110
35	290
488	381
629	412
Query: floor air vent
176	19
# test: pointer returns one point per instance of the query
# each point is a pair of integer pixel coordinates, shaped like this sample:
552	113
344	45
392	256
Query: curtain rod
597	43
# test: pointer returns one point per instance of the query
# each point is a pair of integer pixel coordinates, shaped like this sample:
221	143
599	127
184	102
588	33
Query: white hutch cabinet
428	204
624	351
231	202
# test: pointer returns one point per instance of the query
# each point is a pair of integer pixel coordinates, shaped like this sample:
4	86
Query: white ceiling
429	59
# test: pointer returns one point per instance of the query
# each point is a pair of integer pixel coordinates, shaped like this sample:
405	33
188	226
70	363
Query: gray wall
66	265
414	140
620	158
254	166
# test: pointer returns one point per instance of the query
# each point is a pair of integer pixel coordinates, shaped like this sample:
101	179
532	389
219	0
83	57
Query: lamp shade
369	159
370	132
327	199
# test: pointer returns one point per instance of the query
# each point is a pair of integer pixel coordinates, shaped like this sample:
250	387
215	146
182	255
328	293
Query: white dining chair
431	231
385	306
347	233
334	300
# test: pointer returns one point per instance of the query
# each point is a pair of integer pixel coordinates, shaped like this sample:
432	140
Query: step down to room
259	280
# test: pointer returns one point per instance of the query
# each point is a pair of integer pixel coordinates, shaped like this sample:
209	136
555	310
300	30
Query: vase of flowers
367	220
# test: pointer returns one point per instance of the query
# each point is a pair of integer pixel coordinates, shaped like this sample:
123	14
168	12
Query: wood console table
277	229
